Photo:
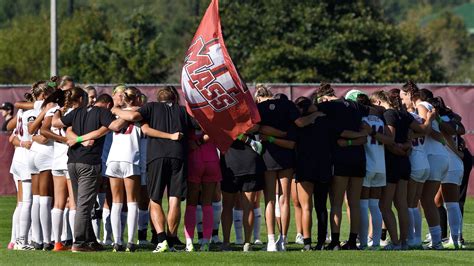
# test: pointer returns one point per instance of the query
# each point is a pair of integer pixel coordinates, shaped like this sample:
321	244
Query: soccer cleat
374	248
11	246
319	246
247	247
225	247
131	247
67	243
306	248
438	246
37	246
215	240
348	246
78	249
117	248
59	247
142	237
272	247
204	247
258	242
189	248
333	246
299	239
282	246
108	242
393	247
427	238
23	247
405	246
162	247
47	246
256	146
96	246
451	245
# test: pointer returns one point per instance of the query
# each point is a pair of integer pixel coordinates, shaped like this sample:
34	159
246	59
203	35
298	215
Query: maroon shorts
204	172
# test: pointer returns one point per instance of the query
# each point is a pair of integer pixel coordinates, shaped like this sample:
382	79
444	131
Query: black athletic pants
320	195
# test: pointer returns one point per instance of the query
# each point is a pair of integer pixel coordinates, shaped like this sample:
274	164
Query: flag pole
53	41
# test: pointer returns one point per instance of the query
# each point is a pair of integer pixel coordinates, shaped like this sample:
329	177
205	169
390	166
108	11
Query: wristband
349	142
438	119
271	139
79	139
240	136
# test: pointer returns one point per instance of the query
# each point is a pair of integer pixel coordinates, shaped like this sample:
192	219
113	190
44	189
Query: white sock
238	224
216	211
116	222
57	223
45	217
96	227
454	214
189	241
376	221
199	219
132	220
35	220
418	223
123	221
277	206
107	225
257	219
72	221
25	214
15	222
143	218
271	239
65	231
435	232
411	227
364	222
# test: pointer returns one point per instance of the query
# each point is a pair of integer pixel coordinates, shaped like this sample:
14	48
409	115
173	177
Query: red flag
214	92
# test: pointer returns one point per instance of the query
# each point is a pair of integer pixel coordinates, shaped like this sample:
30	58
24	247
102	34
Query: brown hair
131	95
262	91
64	80
411	88
388	97
41	87
325	89
72	96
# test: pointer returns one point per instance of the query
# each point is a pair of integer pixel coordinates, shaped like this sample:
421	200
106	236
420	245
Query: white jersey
455	163
60	149
19	156
374	150
126	145
45	149
418	158
432	146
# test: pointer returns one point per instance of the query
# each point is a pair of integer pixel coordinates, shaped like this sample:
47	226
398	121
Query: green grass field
294	256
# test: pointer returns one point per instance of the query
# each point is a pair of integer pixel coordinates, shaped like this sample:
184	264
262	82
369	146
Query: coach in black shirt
84	163
166	161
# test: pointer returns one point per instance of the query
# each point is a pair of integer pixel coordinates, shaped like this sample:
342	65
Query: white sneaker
299	239
258	242
216	240
427	238
189	248
272	247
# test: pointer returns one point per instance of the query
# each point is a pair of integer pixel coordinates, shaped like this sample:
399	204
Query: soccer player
73	99
41	161
91	95
84	164
349	161
204	175
242	176
123	170
314	170
279	160
166	160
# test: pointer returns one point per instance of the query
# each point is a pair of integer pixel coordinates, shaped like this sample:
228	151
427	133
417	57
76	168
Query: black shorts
397	167
166	173
313	171
277	158
349	161
245	183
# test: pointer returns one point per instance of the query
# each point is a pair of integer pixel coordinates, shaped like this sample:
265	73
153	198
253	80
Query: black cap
7	106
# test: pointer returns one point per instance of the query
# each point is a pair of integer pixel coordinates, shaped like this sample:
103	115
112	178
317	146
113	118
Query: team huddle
86	163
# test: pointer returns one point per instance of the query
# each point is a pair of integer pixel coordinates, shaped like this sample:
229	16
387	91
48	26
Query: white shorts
63	172
31	163
20	170
439	165
453	177
373	179
122	169
40	162
421	175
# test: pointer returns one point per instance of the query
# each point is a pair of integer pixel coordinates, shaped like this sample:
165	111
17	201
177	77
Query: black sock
352	239
443	218
215	232
335	238
161	237
307	241
200	236
384	235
